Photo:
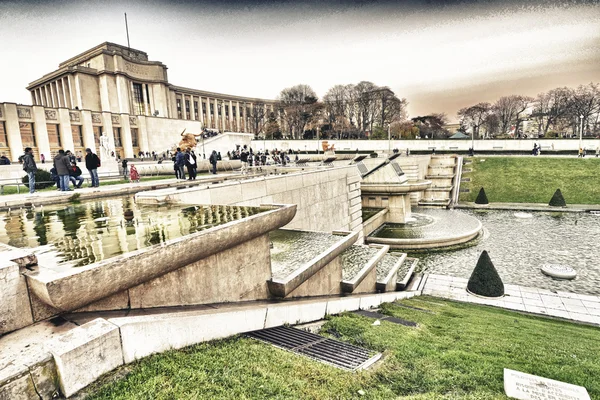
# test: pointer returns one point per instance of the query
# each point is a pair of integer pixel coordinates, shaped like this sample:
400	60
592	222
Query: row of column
54	94
63	120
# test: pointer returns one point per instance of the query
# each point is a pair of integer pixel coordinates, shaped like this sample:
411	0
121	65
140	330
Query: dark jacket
244	156
74	171
29	163
180	159
213	158
62	164
188	157
92	161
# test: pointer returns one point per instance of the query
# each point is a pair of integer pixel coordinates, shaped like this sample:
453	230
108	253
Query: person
4	160
597	151
54	177
180	163
134	176
244	159
43	158
62	165
219	156
124	166
580	154
71	156
92	163
213	161
190	163
30	167
75	176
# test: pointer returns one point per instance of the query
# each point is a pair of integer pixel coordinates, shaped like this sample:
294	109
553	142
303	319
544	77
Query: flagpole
127	30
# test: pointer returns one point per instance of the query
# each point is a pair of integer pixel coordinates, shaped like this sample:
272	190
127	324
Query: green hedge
43	179
485	280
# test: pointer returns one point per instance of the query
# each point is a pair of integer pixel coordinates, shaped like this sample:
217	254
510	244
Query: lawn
533	179
458	351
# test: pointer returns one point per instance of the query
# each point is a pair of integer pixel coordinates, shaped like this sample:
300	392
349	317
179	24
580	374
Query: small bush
481	197
557	199
43	179
485	280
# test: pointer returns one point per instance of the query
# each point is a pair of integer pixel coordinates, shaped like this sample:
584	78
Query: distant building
116	89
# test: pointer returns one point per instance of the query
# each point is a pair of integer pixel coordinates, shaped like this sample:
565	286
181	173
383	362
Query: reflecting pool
72	235
520	246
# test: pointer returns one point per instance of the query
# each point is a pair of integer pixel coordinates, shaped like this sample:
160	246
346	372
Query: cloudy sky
440	55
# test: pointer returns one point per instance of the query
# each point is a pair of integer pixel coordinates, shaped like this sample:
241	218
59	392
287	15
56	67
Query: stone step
406	272
435	203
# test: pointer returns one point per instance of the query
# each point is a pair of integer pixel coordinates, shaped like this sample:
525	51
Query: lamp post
389	139
581	132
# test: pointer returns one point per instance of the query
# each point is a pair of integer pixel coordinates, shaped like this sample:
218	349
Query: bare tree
299	104
510	109
475	116
551	107
336	102
586	103
257	117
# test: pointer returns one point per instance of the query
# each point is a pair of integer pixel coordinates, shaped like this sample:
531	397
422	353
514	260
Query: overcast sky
440	55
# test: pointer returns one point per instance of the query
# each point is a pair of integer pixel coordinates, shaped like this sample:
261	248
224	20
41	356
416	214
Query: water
292	249
75	235
519	247
367	213
355	258
429	224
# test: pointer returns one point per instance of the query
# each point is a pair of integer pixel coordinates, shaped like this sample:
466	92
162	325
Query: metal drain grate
397	168
383	317
329	351
362	168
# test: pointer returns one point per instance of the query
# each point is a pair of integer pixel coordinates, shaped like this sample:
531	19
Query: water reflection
520	246
79	234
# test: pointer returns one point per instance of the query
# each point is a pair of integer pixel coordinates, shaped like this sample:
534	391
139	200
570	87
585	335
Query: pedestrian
580	154
75	176
70	155
30	167
4	160
180	163
92	163
244	160
213	161
134	176
124	167
190	163
43	158
54	178
62	165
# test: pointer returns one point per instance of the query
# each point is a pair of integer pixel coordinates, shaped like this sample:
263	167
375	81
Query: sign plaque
518	385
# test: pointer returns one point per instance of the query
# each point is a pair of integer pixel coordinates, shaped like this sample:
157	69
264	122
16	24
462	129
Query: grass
457	352
13	189
534	179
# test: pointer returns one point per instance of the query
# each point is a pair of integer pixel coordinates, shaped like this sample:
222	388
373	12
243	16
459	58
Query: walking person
134	175
190	163
213	161
180	163
92	163
30	167
62	165
43	158
124	166
244	160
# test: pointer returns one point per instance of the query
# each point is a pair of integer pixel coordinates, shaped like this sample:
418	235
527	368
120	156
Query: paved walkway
572	306
529	207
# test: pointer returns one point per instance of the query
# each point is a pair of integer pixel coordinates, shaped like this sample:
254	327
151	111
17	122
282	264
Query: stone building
115	89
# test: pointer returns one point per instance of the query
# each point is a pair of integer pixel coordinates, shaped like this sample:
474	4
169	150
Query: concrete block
372	301
297	313
226	194
118	301
18	387
293	182
45	378
85	353
254	190
355	200
275	185
15	309
340	305
145	335
310	179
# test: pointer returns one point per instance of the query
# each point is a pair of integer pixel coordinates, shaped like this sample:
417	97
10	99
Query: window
3	135
117	136
179	107
204	108
97	134
196	111
212	108
187	109
134	137
27	134
53	135
77	135
138	99
234	111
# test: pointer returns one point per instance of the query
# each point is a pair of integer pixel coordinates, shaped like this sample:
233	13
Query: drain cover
383	317
329	351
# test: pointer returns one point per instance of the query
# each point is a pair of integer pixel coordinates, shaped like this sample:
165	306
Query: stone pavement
529	207
571	306
54	196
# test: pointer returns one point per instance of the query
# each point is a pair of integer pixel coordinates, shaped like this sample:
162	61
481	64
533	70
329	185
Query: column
66	136
61	102
183	113
192	108
200	111
123	91
12	131
47	103
40	131
208	117
231	116
145	98
66	95
71	82
251	130
244	119
53	95
237	116
143	134
88	131
78	98
223	119
126	136
216	114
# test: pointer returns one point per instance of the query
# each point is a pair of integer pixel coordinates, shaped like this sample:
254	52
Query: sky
440	55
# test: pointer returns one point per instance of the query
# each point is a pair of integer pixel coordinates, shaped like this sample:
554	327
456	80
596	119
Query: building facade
116	91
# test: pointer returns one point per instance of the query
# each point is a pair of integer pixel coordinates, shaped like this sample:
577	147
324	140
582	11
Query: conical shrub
557	200
485	280
481	197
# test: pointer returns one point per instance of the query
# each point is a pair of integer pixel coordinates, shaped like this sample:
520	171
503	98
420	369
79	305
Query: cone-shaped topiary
557	200
481	197
485	280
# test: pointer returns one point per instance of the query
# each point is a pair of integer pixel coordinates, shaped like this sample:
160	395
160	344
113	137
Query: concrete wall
428	145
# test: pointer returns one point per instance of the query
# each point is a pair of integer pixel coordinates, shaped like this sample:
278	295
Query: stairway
442	172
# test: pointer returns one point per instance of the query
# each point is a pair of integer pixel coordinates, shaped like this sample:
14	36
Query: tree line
367	111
